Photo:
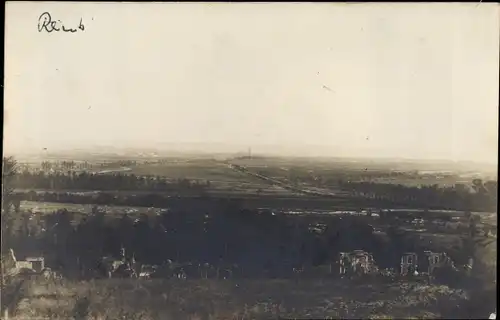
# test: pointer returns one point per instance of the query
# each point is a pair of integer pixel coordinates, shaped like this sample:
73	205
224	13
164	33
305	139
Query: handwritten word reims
45	23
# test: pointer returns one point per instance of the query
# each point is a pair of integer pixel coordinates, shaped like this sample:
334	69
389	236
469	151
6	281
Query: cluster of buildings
361	262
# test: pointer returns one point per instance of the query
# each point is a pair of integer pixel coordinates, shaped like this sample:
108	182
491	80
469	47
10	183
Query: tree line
112	181
83	165
481	197
261	242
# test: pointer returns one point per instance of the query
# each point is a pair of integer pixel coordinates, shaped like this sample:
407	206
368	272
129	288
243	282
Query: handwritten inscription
47	24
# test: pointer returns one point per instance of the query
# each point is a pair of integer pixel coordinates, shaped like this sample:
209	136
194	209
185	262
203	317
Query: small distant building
409	263
36	264
22	264
356	262
434	260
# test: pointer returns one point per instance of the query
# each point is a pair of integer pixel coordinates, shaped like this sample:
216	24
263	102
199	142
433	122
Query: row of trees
9	170
115	181
9	199
260	242
64	165
84	165
257	241
482	196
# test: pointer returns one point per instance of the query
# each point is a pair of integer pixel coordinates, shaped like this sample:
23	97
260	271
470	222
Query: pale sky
391	80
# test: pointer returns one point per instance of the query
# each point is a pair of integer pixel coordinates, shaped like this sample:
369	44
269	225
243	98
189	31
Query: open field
369	164
206	170
285	176
222	179
408	174
357	175
237	299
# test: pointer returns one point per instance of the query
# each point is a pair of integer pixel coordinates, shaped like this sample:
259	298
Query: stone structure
35	264
356	262
409	263
123	267
435	260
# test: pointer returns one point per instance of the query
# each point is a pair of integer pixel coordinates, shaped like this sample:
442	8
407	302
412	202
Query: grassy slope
237	299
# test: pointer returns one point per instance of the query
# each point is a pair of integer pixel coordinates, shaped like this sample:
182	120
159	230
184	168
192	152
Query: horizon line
114	150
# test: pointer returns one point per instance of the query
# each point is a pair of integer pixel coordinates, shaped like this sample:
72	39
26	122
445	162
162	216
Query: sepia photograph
240	161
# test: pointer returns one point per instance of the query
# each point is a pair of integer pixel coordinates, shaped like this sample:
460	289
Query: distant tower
249	153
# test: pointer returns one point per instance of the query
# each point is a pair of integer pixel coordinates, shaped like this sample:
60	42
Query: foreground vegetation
245	299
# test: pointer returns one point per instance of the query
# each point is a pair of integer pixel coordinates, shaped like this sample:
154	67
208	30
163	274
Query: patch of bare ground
243	299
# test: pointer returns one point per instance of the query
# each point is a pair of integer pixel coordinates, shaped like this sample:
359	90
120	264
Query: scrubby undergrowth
246	299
